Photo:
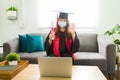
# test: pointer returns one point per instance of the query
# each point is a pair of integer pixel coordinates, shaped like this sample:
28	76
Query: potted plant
114	33
12	58
12	12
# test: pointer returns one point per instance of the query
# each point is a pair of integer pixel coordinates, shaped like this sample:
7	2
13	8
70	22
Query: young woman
64	42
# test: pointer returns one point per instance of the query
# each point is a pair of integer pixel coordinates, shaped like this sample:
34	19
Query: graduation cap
63	15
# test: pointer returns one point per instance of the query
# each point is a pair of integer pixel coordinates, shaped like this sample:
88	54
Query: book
11	67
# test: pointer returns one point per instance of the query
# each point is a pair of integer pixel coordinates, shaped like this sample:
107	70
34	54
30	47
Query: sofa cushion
32	57
22	43
90	58
34	43
88	42
88	55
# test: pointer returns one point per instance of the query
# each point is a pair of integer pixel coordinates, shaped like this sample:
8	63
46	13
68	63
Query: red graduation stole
56	42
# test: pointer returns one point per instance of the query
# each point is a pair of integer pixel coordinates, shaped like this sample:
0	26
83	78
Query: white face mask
62	24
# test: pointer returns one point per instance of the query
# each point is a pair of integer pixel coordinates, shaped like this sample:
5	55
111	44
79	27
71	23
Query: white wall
109	16
11	28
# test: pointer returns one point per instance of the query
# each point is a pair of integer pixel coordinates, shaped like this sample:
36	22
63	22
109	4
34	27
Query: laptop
55	66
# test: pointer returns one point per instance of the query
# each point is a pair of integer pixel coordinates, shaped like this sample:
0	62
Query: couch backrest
88	42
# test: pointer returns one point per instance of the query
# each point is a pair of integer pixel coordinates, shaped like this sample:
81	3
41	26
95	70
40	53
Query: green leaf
108	33
117	41
117	27
118	32
113	31
11	8
0	58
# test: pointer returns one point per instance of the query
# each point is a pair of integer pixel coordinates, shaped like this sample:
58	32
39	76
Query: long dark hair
67	34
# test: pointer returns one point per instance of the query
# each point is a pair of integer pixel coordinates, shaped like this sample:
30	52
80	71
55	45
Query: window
85	12
42	12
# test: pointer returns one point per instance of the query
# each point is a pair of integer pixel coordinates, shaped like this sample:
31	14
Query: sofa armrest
10	46
108	49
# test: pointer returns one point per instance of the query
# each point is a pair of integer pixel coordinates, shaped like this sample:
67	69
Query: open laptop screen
55	66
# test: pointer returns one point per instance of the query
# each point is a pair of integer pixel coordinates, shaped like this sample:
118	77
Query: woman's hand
71	29
51	37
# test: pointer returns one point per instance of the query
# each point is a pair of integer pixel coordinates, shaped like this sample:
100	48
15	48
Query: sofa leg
111	77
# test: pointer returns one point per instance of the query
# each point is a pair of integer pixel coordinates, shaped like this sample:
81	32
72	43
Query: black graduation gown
62	46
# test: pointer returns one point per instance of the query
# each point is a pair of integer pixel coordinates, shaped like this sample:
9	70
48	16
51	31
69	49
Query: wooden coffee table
79	73
9	74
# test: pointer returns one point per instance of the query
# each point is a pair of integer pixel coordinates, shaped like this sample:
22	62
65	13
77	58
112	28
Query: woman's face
62	22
